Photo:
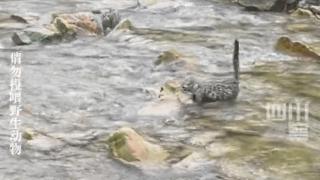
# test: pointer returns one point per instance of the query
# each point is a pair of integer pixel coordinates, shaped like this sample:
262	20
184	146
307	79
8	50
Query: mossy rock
29	134
125	25
286	45
302	13
117	143
171	86
127	145
168	56
258	5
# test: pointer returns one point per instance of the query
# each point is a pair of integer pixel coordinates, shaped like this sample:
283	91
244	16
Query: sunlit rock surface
129	146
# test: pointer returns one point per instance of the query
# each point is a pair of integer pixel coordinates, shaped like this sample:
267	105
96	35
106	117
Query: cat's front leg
198	97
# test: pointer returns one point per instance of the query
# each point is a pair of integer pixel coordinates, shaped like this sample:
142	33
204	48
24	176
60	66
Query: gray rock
42	35
21	38
269	5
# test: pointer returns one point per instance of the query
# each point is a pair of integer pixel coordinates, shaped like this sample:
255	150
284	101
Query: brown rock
286	45
127	145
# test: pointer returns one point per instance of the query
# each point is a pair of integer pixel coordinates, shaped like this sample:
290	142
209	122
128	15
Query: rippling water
92	86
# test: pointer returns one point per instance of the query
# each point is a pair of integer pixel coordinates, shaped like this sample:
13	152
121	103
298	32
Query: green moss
117	140
27	136
117	144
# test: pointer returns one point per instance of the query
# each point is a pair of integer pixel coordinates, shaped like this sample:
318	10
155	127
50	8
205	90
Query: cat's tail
236	59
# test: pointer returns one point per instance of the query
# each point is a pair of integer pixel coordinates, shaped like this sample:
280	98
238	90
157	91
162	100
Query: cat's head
189	85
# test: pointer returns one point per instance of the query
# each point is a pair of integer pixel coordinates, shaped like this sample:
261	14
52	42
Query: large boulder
128	146
269	5
86	23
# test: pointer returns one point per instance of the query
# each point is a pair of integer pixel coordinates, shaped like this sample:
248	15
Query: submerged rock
125	25
286	45
301	27
40	141
126	144
168	56
170	102
304	13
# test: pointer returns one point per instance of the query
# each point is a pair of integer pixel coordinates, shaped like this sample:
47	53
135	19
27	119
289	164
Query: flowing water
79	92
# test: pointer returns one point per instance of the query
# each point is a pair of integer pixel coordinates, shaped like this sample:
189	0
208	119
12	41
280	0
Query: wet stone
21	38
287	45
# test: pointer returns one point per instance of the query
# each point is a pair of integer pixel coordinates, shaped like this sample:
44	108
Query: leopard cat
223	90
110	19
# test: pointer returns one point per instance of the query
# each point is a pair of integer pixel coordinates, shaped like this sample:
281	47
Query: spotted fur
228	89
